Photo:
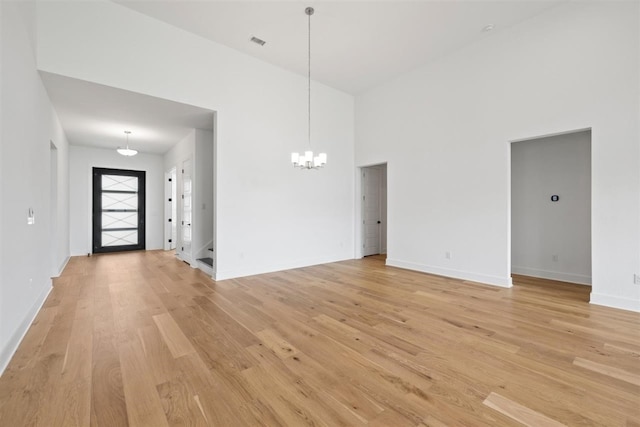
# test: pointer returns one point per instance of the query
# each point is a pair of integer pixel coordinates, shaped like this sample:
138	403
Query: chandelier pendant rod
309	12
307	160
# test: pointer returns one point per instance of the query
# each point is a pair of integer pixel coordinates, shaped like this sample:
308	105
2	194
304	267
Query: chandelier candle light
127	151
308	160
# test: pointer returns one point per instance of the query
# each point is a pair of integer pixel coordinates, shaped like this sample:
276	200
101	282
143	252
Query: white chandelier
308	160
127	151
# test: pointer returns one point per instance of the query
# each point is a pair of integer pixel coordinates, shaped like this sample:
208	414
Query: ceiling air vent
258	41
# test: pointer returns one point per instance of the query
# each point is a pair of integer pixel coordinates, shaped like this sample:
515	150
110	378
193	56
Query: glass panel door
118	210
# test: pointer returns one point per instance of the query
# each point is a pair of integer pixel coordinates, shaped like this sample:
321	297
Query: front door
118	210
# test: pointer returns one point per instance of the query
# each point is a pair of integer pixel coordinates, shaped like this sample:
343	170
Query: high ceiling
355	44
97	116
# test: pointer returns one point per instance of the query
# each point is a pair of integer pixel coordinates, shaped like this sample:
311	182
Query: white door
187	211
371	216
174	209
170	232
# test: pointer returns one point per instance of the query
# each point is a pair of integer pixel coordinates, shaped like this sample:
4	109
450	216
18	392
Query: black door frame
97	210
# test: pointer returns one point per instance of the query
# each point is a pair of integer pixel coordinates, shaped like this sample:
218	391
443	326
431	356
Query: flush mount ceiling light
127	151
488	28
308	160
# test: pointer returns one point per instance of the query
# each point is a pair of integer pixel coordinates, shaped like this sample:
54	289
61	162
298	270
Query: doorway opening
118	210
170	210
374	209
551	210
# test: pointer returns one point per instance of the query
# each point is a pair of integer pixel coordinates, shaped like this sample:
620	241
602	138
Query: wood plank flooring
141	339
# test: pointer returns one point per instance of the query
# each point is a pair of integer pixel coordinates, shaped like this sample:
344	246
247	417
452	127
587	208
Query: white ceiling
355	44
97	116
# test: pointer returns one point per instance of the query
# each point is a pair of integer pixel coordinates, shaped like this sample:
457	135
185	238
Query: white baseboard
206	268
16	338
580	279
252	271
186	259
62	266
503	282
615	302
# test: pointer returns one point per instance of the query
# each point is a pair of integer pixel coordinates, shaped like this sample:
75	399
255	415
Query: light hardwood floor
142	339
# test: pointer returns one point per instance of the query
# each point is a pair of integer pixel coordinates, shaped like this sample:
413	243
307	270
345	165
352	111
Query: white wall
203	208
383	209
552	239
28	124
266	212
82	160
444	130
197	146
60	246
5	350
184	150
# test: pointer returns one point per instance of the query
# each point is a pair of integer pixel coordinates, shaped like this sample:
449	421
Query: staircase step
208	261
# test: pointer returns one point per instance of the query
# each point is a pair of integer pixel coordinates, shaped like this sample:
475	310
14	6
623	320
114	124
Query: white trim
12	345
63	265
358	229
615	302
206	268
550	134
579	279
187	259
503	282
233	274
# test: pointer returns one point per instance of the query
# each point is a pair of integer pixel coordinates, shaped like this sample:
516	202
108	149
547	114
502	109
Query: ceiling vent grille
258	41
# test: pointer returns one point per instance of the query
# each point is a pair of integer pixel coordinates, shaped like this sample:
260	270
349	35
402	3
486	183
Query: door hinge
169	199
169	240
169	179
182	222
182	170
182	249
183	196
363	197
169	220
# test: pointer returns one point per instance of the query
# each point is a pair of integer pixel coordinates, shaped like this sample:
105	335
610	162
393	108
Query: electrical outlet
554	258
447	255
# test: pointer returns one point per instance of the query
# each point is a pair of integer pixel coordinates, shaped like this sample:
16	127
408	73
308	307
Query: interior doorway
374	209
118	210
551	207
170	210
